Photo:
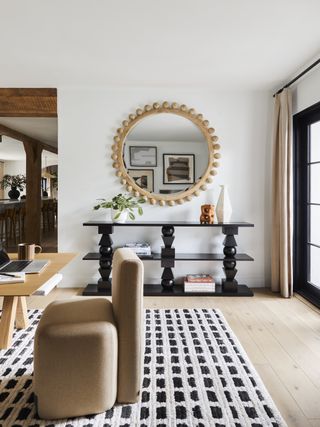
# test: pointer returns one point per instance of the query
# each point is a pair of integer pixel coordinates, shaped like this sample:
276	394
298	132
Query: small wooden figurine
207	214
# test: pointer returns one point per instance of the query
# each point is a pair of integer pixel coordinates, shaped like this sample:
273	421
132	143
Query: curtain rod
298	76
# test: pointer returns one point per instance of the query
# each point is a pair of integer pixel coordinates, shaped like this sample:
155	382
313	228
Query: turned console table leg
229	263
106	254
167	256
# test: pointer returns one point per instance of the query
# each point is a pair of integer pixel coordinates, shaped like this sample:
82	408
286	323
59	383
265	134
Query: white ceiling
44	129
247	44
11	149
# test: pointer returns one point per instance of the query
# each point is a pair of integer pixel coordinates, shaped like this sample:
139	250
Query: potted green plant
16	182
121	206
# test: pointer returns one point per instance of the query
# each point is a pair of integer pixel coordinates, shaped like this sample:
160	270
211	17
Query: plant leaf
120	203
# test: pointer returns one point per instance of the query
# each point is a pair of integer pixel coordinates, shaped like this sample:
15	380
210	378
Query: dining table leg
8	317
22	321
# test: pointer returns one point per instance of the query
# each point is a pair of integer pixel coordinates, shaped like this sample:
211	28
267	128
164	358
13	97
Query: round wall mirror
166	153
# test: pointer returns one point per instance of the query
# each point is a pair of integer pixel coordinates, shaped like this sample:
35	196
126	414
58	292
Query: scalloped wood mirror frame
172	108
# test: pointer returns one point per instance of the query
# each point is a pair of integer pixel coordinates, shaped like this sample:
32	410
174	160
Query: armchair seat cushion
75	358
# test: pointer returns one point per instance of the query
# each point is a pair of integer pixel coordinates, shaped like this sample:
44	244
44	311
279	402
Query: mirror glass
165	153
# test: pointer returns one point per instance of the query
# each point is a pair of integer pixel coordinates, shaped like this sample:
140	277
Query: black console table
168	257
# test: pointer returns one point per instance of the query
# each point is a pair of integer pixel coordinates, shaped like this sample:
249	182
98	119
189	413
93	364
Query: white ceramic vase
122	217
224	208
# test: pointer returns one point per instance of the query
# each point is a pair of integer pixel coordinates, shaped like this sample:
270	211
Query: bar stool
55	212
18	223
45	216
12	217
6	223
22	221
49	210
2	227
51	214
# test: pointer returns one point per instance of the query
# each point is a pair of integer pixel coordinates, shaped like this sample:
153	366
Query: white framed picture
141	156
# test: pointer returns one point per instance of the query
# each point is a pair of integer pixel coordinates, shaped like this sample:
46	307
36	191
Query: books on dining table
6	278
199	283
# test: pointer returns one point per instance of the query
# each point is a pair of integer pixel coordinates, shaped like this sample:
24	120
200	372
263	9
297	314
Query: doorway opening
29	157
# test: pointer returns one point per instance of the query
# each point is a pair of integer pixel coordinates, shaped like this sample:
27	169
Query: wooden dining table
14	308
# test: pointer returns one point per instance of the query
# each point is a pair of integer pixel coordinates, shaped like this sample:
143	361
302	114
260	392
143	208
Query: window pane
314	225
315	266
315	142
315	183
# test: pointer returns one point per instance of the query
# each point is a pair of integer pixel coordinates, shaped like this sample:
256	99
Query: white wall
307	91
88	119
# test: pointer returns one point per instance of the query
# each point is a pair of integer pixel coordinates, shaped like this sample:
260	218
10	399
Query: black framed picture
142	156
143	178
168	191
178	169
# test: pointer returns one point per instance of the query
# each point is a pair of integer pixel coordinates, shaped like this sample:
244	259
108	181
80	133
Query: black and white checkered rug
195	374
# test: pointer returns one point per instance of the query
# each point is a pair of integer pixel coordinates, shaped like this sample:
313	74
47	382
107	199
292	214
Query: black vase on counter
14	193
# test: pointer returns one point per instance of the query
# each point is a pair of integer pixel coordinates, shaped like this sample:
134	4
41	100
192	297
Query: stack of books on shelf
199	283
141	249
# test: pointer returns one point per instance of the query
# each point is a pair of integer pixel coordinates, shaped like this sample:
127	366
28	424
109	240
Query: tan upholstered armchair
88	351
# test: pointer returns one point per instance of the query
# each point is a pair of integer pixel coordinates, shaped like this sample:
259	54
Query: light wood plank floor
281	337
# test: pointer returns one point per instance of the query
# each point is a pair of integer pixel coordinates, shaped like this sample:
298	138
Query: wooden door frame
30	102
301	122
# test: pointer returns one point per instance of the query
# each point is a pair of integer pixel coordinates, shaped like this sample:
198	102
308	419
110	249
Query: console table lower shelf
176	291
168	258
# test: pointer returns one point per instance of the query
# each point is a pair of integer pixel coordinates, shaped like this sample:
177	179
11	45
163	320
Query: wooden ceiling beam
28	102
12	133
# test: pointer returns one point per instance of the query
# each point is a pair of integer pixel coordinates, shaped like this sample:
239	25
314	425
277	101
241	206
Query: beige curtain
281	256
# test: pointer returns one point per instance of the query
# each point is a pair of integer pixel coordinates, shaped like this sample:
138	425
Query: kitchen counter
7	203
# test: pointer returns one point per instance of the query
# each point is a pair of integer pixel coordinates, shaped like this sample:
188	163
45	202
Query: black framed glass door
307	203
